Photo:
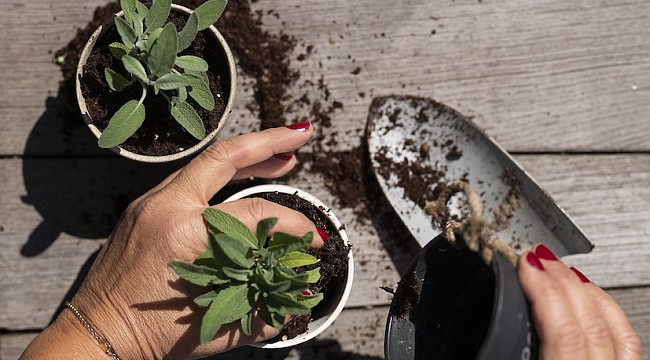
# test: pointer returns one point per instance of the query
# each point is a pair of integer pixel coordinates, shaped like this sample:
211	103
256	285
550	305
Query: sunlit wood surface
563	85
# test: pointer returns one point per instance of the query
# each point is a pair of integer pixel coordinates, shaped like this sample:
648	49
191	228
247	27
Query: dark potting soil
160	134
454	305
333	258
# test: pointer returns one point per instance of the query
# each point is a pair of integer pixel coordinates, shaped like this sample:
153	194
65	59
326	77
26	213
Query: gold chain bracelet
102	343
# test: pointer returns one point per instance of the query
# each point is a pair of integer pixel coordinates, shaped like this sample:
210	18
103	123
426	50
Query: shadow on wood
76	187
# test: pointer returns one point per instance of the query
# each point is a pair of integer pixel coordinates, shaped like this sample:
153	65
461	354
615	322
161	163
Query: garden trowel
418	146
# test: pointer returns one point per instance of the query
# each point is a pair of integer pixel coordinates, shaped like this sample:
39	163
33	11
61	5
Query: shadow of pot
221	50
329	309
451	305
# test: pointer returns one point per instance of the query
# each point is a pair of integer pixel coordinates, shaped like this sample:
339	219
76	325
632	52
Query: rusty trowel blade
416	141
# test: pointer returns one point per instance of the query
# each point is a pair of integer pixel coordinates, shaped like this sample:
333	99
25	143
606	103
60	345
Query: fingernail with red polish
581	276
545	253
300	126
306	292
534	260
323	234
284	156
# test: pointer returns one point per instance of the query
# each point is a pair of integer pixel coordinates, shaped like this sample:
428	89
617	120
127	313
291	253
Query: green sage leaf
240	275
313	275
206	299
198	275
310	300
182	94
221	259
124	123
297	282
294	259
192	63
264	280
158	14
223	222
171	81
116	81
209	12
235	250
118	50
138	26
187	117
141	9
163	51
200	89
135	68
285	304
282	243
270	317
128	6
246	323
188	33
230	304
263	229
151	38
127	34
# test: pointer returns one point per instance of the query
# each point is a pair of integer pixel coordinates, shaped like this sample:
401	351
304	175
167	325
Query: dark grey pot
459	309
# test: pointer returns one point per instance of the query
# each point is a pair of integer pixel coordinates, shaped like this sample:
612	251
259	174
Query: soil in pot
333	258
451	305
160	134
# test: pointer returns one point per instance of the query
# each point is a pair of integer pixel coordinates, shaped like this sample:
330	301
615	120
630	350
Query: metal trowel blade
437	145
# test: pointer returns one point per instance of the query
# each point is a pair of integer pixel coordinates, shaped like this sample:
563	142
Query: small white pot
209	138
334	308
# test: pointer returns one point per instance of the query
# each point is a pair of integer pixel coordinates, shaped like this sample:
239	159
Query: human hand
134	299
574	318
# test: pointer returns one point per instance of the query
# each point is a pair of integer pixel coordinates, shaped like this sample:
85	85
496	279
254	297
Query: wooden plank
56	213
358	333
545	75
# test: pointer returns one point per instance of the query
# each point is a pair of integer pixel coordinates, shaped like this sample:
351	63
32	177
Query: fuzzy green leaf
151	38
263	229
264	280
285	304
192	63
246	323
238	252
171	81
223	222
158	14
135	68
118	50
182	94
200	89
127	34
282	243
124	123
209	12
116	81
271	318
230	304
222	260
206	299
309	301
128	6
185	115
313	275
138	26
163	51
197	274
297	282
296	259
241	275
141	9
188	33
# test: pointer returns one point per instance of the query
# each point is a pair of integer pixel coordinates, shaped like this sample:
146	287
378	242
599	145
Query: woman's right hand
575	319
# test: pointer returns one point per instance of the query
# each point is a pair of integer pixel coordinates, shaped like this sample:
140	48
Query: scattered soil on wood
160	134
333	258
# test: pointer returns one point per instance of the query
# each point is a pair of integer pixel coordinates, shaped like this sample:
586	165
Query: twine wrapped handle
476	233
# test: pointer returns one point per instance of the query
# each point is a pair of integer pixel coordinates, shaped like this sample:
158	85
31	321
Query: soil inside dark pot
160	134
333	258
447	297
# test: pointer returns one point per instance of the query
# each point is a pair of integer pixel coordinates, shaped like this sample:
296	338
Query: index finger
215	166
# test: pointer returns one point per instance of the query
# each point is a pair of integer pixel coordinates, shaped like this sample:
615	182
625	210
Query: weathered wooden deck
563	85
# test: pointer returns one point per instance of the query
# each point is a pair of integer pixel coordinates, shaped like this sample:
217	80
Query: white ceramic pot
334	303
209	138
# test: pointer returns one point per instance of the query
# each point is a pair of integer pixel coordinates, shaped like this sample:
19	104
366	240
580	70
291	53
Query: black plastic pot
451	305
